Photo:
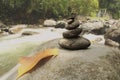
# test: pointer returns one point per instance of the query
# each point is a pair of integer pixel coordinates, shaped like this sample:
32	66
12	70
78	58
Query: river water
13	47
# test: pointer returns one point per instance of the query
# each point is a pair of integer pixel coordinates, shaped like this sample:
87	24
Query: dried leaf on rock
27	63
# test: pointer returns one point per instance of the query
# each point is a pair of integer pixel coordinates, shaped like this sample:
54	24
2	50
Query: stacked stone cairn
71	39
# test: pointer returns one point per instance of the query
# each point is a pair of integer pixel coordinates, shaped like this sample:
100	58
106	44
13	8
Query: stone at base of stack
74	43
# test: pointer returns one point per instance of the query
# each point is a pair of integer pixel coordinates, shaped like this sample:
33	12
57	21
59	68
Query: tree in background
112	6
25	10
84	7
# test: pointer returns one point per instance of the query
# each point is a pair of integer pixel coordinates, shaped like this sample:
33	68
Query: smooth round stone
70	20
74	43
72	33
73	25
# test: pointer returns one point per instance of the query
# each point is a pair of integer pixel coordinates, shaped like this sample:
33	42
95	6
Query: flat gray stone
74	43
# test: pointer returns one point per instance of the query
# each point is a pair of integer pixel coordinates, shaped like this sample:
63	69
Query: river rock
70	20
27	33
98	63
72	33
60	24
5	29
74	43
112	37
73	25
49	23
113	34
100	31
97	28
116	24
112	43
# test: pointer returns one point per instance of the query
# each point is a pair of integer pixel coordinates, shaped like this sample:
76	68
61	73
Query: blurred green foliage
112	6
32	10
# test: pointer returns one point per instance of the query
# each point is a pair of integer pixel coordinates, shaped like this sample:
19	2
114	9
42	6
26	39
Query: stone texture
111	43
97	63
60	24
73	25
112	37
74	43
71	39
116	24
113	34
72	33
70	20
98	28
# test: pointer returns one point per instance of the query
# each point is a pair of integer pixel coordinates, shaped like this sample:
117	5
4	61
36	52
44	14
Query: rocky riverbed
21	40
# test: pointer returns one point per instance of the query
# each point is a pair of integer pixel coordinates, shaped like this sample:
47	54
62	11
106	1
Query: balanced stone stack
71	39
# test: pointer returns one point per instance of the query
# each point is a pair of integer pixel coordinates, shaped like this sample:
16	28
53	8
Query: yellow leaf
27	63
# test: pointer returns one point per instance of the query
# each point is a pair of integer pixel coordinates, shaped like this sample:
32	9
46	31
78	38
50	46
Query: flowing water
14	46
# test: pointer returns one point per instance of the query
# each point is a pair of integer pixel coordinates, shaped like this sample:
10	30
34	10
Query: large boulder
112	37
112	21
116	24
49	23
97	28
112	43
99	62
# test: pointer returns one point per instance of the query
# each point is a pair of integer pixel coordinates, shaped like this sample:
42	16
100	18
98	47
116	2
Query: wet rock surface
97	63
